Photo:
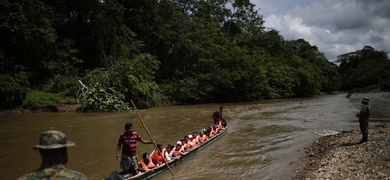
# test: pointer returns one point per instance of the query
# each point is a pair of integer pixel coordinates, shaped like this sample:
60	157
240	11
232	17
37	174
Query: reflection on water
265	138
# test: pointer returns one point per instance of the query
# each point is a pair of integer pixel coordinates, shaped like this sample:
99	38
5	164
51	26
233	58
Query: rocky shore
341	156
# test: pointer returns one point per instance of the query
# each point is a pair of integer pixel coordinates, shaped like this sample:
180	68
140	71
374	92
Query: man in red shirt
128	144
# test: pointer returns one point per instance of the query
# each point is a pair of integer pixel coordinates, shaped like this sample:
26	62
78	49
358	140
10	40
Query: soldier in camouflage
364	118
53	149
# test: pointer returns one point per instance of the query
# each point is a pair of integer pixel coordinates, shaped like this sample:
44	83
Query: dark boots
365	138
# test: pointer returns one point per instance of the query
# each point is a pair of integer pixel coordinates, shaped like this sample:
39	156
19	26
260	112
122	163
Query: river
264	141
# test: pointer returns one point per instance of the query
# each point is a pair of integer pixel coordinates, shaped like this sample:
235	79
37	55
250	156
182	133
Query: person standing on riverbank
364	118
53	149
128	144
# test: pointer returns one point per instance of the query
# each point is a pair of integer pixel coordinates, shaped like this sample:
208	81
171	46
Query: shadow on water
264	141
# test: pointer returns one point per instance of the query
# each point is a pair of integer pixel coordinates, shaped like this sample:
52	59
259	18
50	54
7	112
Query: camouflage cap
53	140
366	99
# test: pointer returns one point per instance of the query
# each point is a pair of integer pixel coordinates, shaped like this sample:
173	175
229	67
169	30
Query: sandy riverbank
341	156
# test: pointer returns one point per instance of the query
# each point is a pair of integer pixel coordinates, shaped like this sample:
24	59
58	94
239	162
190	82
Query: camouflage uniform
364	118
53	172
53	140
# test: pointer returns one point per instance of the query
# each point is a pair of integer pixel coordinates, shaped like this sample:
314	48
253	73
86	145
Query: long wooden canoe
153	172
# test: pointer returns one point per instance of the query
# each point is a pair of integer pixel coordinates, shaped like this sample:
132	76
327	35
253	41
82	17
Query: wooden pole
150	136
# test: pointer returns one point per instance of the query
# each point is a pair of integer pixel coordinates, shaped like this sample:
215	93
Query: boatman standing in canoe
218	116
128	144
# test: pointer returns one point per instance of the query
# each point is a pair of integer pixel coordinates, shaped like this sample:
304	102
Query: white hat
178	143
190	136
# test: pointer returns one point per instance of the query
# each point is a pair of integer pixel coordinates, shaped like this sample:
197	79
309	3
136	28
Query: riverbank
58	108
341	156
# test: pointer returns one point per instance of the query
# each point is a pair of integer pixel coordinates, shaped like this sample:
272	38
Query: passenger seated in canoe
217	128
146	163
213	130
188	143
157	158
192	140
224	123
178	149
202	136
219	124
196	138
184	144
171	153
209	132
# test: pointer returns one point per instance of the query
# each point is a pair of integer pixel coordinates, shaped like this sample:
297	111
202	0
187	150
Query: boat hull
154	172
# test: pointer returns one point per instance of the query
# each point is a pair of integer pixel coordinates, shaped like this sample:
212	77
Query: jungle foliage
154	52
364	70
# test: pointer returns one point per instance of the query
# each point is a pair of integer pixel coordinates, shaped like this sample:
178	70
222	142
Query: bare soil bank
341	156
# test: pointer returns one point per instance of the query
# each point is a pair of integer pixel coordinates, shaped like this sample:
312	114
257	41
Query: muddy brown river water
264	141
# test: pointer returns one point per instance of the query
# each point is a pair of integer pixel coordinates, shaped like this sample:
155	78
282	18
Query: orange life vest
194	143
197	139
211	134
204	138
220	124
182	149
216	131
149	166
189	144
158	157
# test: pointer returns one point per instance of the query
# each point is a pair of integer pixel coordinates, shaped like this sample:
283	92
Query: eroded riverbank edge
342	156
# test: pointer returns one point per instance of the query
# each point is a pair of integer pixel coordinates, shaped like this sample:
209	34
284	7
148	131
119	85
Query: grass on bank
39	99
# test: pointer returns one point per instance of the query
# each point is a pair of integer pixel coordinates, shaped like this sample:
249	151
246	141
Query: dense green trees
365	69
155	52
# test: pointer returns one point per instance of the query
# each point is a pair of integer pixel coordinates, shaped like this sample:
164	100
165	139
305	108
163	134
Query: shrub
13	89
39	99
101	98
